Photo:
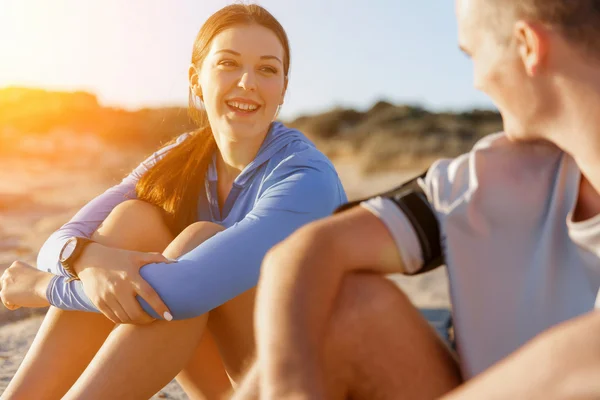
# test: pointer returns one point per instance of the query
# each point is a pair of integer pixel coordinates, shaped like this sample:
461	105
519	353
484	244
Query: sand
38	195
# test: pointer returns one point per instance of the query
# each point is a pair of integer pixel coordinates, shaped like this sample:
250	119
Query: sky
136	53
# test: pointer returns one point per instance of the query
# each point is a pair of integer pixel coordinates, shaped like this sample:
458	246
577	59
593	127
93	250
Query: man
515	221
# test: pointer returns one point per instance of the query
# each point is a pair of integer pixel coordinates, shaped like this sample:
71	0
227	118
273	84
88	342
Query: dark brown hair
175	182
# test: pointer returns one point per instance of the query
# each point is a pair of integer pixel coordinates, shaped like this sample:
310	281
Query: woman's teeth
242	106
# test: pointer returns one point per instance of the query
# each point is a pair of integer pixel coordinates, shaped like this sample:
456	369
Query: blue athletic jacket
287	185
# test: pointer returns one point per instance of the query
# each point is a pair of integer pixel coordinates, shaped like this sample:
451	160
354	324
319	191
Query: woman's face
242	82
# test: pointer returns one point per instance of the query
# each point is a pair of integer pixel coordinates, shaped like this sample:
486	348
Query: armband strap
412	201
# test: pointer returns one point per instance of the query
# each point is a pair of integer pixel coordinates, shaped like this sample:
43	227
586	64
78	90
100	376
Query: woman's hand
111	279
24	286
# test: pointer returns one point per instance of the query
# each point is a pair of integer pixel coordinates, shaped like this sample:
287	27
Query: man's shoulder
499	142
496	169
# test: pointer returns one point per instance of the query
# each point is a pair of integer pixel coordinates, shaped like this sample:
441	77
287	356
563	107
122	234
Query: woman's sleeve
89	218
228	264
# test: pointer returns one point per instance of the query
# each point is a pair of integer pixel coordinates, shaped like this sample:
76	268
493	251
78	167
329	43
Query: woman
249	180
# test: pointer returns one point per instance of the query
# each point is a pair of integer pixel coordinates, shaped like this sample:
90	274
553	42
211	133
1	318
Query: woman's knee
132	224
134	210
198	232
202	228
191	237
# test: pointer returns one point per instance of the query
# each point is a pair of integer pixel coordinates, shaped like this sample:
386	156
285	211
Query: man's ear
533	44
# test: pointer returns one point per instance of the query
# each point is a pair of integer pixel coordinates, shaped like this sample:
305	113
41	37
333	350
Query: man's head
524	51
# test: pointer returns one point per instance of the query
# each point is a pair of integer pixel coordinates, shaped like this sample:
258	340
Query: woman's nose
247	81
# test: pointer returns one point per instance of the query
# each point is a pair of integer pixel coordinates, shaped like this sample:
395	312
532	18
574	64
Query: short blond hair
577	20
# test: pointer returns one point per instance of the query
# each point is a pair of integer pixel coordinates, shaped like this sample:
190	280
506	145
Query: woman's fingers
136	313
118	310
9	305
153	258
146	292
108	311
3	297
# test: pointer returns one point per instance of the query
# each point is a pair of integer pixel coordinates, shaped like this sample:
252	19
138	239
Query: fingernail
598	301
168	316
172	260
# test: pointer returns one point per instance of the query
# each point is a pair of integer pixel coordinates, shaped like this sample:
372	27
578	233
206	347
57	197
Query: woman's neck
234	156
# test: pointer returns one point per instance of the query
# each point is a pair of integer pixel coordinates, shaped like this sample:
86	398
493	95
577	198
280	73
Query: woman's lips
243	108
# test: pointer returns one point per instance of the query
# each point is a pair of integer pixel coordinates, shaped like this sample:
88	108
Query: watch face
68	250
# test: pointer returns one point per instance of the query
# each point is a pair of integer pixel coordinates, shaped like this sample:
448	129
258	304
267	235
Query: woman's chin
245	129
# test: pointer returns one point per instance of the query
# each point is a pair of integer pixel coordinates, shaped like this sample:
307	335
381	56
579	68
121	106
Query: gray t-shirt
517	262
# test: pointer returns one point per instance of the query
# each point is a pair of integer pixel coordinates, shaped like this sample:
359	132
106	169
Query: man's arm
299	282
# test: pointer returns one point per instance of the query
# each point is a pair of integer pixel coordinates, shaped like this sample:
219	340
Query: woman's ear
285	85
194	81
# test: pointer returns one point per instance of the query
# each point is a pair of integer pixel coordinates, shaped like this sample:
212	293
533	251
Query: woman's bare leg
64	345
67	340
204	375
232	326
136	361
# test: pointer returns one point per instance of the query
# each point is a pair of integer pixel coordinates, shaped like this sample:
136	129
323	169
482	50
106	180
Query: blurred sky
135	53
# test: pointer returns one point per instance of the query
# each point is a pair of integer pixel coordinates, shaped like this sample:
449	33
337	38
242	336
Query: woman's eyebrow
235	53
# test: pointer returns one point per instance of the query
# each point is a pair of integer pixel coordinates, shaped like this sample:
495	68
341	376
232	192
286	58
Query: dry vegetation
386	136
396	136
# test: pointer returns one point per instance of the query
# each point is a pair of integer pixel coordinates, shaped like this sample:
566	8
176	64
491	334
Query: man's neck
577	132
582	142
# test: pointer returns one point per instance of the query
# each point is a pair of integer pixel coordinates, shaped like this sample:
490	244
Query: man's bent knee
376	329
371	296
367	305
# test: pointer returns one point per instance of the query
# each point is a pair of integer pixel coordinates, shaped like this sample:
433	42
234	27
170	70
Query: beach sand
38	195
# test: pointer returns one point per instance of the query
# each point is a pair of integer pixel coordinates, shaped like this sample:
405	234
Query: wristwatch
70	252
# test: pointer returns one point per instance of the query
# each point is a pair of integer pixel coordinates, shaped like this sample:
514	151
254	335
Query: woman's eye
227	63
270	70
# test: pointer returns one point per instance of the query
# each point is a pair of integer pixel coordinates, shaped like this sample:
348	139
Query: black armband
412	201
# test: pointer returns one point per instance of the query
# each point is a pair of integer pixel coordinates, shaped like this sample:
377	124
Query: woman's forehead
248	40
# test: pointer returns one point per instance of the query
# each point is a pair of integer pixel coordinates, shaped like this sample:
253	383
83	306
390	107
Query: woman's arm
228	264
89	218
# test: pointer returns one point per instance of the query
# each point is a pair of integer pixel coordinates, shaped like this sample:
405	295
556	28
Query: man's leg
378	347
561	363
